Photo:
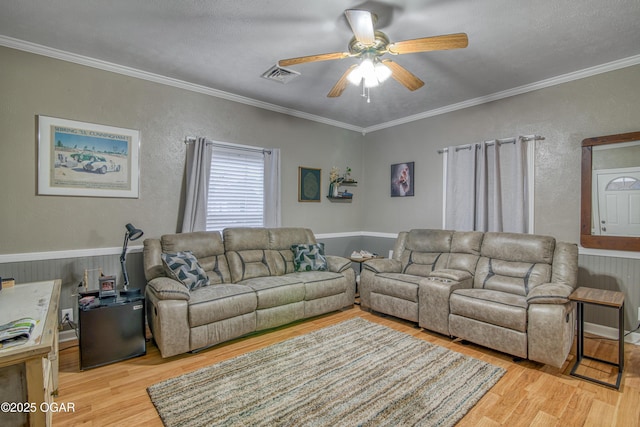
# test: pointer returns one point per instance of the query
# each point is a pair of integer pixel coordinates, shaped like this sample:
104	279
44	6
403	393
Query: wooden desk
34	363
603	298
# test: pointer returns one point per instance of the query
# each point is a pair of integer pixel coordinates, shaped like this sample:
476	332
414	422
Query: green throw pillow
184	267
309	257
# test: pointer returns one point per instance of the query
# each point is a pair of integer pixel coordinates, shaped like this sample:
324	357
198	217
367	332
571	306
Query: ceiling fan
370	45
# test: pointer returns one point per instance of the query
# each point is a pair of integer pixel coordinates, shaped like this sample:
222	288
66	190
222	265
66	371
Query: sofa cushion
309	257
184	267
510	276
517	247
494	307
427	240
398	285
218	302
419	263
274	291
320	284
248	264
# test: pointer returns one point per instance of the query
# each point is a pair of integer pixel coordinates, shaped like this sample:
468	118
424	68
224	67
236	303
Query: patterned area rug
353	373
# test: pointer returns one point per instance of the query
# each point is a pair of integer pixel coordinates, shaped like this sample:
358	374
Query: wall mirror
610	194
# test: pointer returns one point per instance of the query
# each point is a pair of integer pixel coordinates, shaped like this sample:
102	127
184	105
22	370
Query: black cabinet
111	330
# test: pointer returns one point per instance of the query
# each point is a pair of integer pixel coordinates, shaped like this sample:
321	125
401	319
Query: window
623	183
236	189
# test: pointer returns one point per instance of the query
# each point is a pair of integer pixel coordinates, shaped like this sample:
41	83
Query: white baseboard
611	333
68	335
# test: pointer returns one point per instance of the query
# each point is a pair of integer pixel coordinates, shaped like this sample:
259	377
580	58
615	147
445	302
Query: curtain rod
492	142
192	139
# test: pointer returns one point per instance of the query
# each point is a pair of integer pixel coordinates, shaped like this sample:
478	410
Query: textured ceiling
227	45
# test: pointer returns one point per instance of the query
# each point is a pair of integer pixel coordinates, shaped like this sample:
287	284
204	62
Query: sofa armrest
165	288
337	264
383	265
550	293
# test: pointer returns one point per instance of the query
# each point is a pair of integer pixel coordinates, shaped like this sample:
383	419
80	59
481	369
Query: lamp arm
123	258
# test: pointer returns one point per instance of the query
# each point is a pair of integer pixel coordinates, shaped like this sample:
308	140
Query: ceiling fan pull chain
368	96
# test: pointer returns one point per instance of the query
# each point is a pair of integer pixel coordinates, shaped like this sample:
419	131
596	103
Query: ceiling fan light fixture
382	72
355	76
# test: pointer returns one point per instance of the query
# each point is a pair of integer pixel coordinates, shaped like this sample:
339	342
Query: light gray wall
565	114
34	85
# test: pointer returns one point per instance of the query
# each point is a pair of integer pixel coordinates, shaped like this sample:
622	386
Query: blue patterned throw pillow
309	257
184	267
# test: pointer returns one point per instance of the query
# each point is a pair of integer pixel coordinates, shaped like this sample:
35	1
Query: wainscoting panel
71	272
616	274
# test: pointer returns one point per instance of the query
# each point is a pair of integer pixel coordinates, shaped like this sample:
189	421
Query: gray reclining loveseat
505	291
252	285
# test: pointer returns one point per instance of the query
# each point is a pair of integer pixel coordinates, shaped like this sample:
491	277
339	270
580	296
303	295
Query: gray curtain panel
272	209
487	187
198	172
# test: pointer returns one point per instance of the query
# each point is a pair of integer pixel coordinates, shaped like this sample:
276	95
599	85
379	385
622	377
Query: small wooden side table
360	261
604	298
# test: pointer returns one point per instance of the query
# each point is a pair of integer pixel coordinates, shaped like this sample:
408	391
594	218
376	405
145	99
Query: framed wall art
86	159
402	179
309	184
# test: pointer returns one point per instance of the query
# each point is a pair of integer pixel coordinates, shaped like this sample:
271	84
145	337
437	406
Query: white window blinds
236	189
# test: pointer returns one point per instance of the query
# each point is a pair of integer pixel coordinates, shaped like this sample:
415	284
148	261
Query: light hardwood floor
528	394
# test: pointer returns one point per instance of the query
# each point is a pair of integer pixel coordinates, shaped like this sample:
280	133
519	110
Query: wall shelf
340	199
343	183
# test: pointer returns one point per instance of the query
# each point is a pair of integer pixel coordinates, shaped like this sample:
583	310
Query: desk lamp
131	234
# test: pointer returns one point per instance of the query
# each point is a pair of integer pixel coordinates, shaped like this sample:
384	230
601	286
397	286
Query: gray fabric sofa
504	291
253	286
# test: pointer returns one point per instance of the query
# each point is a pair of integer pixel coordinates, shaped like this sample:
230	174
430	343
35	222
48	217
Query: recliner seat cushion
273	291
488	306
218	302
398	285
320	284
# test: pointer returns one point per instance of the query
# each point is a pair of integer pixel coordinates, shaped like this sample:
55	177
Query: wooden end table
603	298
360	261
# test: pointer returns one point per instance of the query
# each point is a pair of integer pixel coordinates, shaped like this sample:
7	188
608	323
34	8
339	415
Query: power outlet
65	312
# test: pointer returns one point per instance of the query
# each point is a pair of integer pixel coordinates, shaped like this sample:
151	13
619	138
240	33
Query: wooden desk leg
35	389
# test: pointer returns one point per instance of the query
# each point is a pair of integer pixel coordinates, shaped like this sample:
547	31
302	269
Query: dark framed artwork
309	180
402	179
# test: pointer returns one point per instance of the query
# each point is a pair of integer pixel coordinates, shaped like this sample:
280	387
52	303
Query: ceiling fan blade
403	76
341	85
361	22
313	58
425	44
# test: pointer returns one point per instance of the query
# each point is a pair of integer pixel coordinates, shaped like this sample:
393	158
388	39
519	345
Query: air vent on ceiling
280	75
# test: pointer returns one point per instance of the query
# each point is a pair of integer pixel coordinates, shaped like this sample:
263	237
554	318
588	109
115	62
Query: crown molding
553	81
181	84
169	81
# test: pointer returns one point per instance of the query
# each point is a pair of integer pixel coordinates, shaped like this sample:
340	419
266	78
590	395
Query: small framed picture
107	286
402	179
309	184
